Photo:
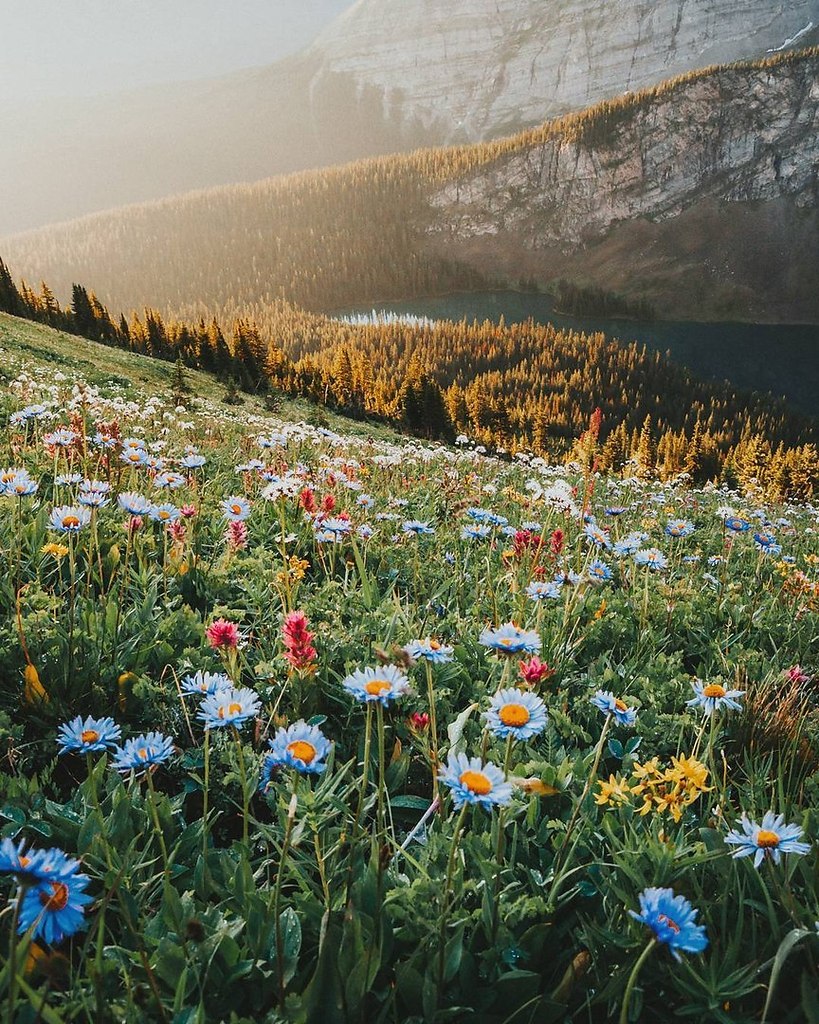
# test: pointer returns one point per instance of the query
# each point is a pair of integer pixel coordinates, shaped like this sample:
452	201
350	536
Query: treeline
579	300
322	240
517	387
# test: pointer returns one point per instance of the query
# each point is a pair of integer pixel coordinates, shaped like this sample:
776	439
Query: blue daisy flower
510	639
672	919
737	525
652	558
142	752
377	684
767	542
473	781
539	591
597	536
598	571
193	461
54	909
229	707
165	513
133	503
611	705
770	838
69	518
201	684
86	736
416	527
516	713
18	484
475	532
236	508
93	499
429	650
679	528
628	545
300	746
713	697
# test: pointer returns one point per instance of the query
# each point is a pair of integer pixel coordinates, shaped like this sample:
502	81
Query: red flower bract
222	633
535	671
298	640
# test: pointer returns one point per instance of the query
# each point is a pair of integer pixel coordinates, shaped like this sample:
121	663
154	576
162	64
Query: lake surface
780	359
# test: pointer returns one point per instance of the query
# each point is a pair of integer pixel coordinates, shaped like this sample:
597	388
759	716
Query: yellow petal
34	691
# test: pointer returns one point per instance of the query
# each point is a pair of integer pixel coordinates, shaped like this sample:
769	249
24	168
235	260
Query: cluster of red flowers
298	641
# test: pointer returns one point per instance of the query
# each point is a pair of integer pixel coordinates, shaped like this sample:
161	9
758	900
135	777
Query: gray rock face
704	198
478	69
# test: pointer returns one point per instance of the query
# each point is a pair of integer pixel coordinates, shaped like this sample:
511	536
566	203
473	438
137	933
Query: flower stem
433	729
450	870
632	981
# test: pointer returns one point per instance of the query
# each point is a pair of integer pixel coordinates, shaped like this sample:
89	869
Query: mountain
388	75
698	195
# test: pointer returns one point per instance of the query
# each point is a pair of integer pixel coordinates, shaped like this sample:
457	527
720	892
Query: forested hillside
446	219
522	387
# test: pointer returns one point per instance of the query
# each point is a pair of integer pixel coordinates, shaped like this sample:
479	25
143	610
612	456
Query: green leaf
786	947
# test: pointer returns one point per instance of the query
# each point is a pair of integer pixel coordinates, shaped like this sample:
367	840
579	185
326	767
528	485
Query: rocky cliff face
703	199
477	69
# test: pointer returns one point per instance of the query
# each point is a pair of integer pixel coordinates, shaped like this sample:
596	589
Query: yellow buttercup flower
57	550
614	793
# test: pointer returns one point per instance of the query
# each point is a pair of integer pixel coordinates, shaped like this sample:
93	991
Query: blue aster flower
54	909
377	684
236	508
520	714
93	499
672	919
193	461
89	735
429	650
142	752
540	591
300	746
652	558
597	536
615	510
480	515
134	456
770	838
737	525
510	639
628	545
475	532
69	518
767	542
229	707
67	480
416	527
201	684
133	503
473	781
599	572
165	513
337	527
17	483
32	866
679	528
611	705
713	697
169	481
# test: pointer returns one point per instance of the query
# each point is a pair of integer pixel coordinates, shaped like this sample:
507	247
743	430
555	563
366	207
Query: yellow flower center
142	753
713	690
620	705
669	923
302	750
89	736
767	840
476	782
375	687
58	899
505	641
164	514
70	522
134	456
514	714
434	645
232	709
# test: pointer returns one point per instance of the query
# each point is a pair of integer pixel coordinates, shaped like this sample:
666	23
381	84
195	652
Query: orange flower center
232	709
476	782
25	861
142	753
375	687
58	899
164	514
620	705
134	456
713	690
302	750
89	736
236	509
69	522
767	840
669	923
434	645
514	714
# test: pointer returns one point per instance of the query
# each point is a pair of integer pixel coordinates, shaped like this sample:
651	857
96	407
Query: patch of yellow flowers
662	788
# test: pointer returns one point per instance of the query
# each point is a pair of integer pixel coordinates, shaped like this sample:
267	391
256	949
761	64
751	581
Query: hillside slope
388	75
700	195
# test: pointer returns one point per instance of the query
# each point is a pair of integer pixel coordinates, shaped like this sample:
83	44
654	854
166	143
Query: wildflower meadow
301	725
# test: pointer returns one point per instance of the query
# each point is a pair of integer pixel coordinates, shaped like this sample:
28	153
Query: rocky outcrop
702	198
478	69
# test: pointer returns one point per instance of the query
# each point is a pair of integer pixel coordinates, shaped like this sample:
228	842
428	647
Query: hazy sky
83	47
